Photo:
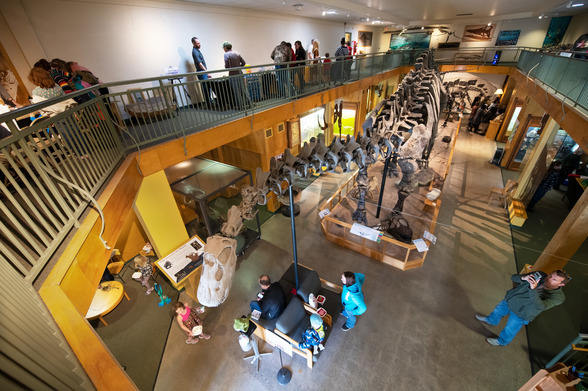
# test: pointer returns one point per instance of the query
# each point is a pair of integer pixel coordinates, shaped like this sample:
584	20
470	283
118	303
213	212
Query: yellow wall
159	215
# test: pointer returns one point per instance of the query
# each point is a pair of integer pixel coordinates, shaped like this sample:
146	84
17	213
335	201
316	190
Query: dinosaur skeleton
401	128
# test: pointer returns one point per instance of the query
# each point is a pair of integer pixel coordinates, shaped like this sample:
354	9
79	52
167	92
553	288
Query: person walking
352	298
534	293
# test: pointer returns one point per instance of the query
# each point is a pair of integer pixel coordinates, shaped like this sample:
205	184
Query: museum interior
160	157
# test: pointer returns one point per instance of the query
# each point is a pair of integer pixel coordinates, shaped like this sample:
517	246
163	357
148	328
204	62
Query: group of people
533	293
56	78
289	64
482	114
272	301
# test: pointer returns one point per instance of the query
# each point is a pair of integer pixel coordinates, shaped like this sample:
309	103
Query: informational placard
177	264
366	232
323	213
278	342
430	237
421	245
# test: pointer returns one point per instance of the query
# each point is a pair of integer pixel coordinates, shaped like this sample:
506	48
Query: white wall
139	39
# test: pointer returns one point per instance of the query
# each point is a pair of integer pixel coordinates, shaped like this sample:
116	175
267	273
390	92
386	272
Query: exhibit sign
366	232
508	37
278	342
478	32
182	261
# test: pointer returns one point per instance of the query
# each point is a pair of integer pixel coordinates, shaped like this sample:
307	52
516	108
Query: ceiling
404	13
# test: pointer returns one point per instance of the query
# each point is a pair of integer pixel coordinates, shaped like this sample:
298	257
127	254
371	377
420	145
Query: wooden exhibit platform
420	212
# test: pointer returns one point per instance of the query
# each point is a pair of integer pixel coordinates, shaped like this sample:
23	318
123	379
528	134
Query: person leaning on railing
47	89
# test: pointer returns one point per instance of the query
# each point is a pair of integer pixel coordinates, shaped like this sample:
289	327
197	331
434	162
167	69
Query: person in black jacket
271	301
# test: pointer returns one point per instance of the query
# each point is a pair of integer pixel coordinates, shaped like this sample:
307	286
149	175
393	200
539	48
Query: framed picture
410	41
508	37
556	31
347	37
478	32
365	38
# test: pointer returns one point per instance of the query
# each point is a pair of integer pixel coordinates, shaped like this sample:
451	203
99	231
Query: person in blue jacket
352	298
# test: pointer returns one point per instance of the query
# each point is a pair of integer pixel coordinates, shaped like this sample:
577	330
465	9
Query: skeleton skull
218	269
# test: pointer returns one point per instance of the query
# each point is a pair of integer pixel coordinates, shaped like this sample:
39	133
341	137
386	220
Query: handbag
400	230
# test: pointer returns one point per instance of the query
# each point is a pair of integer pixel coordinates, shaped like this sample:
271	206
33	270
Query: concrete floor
419	332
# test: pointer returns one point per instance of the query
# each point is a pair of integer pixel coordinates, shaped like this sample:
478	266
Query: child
143	265
327	68
314	335
187	319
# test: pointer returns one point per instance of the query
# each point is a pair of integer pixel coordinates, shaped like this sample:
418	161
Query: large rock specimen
218	269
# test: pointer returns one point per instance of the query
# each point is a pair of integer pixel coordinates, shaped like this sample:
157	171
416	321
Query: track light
324	12
543	16
489	23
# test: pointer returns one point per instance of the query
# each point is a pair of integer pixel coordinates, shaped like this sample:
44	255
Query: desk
105	300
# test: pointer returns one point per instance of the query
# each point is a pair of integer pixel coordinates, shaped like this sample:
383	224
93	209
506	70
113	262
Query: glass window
528	144
348	122
309	125
514	123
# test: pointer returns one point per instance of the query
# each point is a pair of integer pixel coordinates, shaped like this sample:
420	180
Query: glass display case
210	188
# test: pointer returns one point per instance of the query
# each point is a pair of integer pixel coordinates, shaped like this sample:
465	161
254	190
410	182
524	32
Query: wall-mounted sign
508	37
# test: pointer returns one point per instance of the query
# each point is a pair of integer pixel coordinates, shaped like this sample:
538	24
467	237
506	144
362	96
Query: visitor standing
522	304
235	60
352	298
200	64
282	54
300	64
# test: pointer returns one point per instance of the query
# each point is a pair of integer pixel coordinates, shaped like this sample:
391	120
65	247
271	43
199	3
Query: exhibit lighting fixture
324	13
499	92
489	23
422	27
575	3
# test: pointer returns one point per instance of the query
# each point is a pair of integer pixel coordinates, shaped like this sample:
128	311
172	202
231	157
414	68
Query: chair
116	265
115	268
502	194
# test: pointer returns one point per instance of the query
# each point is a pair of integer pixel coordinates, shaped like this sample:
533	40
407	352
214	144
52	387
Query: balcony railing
53	166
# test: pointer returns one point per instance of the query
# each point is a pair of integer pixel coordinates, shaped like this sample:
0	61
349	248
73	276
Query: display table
107	297
183	266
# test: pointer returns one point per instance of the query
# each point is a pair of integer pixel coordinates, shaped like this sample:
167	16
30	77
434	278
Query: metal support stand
284	374
295	253
257	356
386	163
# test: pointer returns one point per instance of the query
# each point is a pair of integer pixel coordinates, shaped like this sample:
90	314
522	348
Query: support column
568	238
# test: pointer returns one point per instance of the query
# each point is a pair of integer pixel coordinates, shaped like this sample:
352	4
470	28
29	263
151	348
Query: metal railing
575	354
51	168
561	73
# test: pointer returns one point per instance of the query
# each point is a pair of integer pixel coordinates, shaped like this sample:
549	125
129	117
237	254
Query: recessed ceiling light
298	6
